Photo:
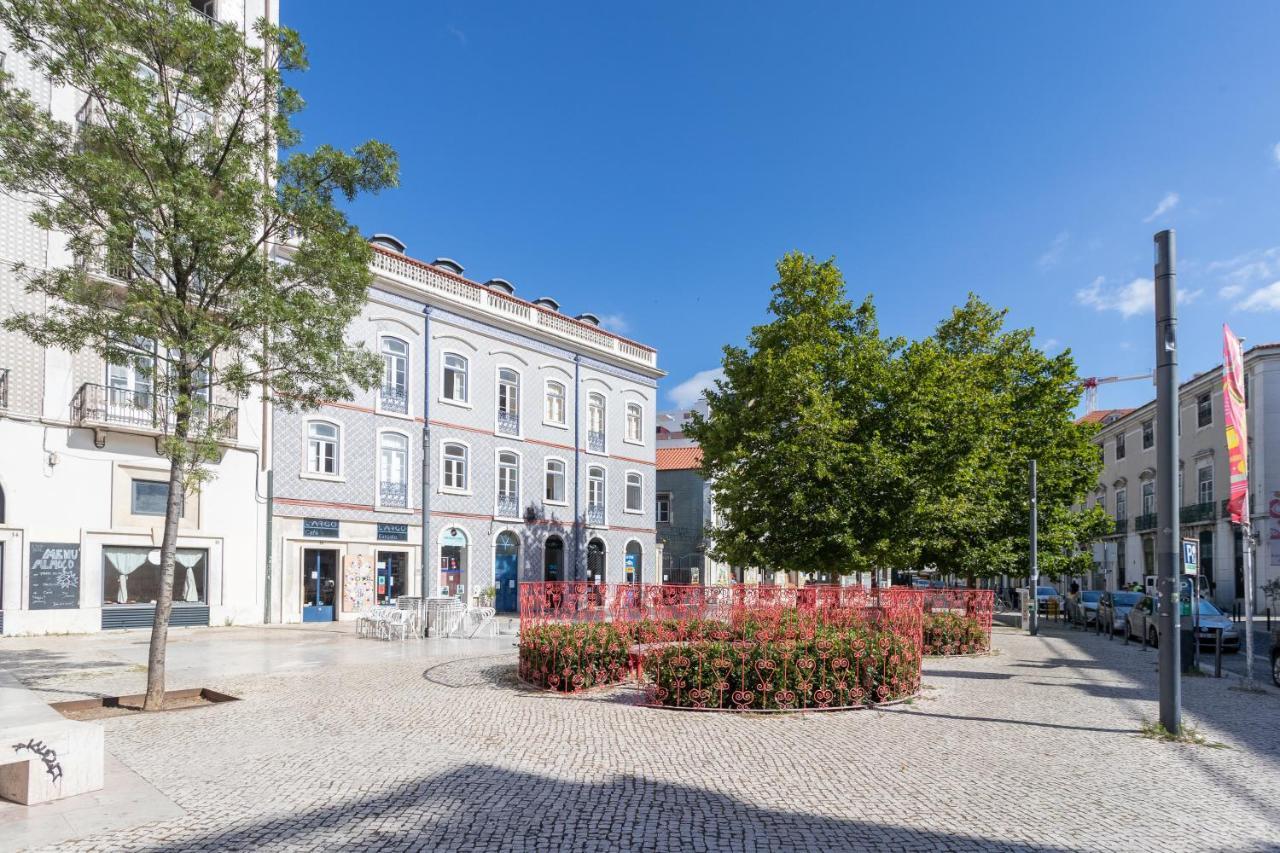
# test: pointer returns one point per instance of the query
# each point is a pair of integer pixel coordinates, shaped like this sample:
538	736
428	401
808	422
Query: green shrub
948	633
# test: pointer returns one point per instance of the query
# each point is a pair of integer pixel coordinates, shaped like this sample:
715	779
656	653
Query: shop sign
54	575
320	528
393	532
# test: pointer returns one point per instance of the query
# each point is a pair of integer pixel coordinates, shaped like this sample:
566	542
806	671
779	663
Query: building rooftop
1103	416
679	458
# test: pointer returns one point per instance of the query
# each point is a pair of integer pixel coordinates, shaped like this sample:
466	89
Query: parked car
1114	607
1144	620
1275	658
1084	607
1043	595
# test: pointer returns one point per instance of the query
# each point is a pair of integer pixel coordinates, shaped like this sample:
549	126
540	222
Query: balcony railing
102	407
4	387
1146	521
509	506
1122	525
595	441
509	423
394	495
1196	513
392	399
595	514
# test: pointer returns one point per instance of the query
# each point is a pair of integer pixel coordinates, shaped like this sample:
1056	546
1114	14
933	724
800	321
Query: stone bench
44	756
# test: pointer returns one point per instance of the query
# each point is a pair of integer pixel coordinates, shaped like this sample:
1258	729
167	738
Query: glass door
391	576
319	584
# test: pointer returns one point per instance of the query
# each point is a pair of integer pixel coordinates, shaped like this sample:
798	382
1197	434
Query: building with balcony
1127	486
536	429
82	488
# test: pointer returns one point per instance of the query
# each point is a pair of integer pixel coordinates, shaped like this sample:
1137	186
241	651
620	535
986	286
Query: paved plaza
362	744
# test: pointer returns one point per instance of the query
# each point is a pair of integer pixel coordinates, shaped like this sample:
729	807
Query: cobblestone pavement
1033	748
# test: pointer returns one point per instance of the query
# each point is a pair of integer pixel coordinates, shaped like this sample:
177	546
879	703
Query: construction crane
1090	385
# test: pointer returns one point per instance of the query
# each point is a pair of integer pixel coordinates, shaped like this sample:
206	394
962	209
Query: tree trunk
173	512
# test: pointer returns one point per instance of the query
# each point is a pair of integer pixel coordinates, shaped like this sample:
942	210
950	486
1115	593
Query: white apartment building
1126	488
82	488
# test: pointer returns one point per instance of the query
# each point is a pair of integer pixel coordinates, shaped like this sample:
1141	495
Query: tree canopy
202	257
831	447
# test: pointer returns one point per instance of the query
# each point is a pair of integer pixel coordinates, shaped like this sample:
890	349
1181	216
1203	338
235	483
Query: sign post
1167	523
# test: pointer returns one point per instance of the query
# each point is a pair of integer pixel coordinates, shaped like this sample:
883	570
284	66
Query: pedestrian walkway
354	744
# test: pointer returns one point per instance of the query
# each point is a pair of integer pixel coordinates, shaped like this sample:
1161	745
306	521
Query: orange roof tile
1101	415
679	458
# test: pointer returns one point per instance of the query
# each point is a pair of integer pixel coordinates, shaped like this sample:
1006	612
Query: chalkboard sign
55	575
320	528
393	532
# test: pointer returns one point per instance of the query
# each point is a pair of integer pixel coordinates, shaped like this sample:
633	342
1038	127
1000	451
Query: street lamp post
1168	527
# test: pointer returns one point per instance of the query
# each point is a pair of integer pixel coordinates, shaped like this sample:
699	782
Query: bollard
1125	630
1144	633
1217	653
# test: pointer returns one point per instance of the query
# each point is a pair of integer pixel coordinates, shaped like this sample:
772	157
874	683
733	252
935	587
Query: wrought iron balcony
392	399
4	387
1146	521
394	495
508	423
595	441
509	506
595	514
105	409
1122	525
1196	513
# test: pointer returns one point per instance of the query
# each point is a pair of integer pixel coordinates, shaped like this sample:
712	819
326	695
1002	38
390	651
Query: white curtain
189	560
125	562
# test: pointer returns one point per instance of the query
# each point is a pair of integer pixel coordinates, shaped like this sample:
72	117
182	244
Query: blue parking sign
1190	556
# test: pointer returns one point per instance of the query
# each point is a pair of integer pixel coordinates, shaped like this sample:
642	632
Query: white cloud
1249	268
687	392
1053	255
615	323
1263	299
1050	345
1136	297
457	33
1230	291
1275	152
1166	204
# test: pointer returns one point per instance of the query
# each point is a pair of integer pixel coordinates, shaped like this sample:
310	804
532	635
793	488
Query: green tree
171	195
793	444
988	401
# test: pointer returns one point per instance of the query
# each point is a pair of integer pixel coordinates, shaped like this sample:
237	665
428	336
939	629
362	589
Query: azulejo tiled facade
538	433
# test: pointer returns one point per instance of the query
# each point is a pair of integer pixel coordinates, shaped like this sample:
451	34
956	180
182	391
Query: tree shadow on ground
33	666
960	673
481	807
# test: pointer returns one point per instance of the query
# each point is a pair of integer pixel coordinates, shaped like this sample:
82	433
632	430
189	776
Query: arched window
394	394
508	484
635	423
322	448
635	492
553	559
393	470
595	495
595	561
508	401
455	559
595	422
555	481
555	408
633	562
455	467
455	377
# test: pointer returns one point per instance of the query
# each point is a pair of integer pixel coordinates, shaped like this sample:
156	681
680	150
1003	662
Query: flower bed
699	648
946	633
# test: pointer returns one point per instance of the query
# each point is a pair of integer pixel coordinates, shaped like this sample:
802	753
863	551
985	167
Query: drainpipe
577	451
426	452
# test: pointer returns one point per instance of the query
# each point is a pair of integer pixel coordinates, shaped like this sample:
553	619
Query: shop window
151	497
131	575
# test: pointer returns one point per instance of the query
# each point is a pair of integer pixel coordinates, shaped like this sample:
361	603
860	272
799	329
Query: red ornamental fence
956	621
725	648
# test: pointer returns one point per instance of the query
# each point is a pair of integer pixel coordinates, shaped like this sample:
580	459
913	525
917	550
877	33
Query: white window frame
339	475
1148	507
657	498
639	578
497	482
1200	426
1200	481
408	468
604	423
546	467
603	479
626	487
468	474
563	423
626	423
497	392
1122	499
465	401
408	377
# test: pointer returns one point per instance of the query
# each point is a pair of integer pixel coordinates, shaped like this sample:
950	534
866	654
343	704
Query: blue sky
650	162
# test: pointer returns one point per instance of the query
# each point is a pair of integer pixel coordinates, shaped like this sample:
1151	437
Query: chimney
448	265
588	317
388	241
500	284
547	302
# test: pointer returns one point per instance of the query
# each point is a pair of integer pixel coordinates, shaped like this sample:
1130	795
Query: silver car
1143	620
1114	607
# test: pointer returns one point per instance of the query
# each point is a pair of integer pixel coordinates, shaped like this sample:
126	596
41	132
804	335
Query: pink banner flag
1237	427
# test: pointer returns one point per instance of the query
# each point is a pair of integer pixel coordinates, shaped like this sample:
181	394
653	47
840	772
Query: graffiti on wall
357	583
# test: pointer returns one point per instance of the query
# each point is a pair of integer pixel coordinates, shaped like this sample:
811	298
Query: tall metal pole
1168	524
1034	622
1246	545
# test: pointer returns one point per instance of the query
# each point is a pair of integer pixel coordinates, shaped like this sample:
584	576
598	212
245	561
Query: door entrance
319	584
391	576
506	564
